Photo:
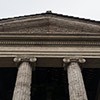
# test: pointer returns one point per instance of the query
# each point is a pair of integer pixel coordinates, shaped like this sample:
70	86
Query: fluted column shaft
23	82
76	84
75	80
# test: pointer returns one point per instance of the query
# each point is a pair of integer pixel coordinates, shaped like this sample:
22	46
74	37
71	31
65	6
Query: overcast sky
89	9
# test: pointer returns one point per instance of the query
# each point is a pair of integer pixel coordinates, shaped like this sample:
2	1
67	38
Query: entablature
50	39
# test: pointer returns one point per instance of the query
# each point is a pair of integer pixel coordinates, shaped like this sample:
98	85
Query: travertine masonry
76	84
23	82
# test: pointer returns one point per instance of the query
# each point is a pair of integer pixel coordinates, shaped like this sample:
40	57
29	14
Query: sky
89	9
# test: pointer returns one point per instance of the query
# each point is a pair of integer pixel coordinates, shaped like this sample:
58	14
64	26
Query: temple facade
49	56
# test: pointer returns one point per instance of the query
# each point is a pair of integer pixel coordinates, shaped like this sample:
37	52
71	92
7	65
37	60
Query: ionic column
75	80
23	81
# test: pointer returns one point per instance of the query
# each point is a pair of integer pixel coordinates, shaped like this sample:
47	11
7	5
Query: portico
47	41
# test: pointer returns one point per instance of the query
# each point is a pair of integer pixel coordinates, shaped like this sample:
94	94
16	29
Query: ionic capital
78	60
25	59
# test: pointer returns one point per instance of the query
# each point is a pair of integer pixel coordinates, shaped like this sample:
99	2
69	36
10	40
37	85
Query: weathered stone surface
75	81
49	23
23	82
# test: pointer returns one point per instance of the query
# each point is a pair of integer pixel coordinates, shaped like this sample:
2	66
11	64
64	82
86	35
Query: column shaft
23	82
75	81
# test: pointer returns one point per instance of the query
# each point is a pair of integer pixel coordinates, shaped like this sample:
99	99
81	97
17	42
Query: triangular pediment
49	35
48	22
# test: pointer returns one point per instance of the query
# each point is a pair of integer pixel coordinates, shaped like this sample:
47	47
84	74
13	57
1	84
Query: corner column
75	80
22	89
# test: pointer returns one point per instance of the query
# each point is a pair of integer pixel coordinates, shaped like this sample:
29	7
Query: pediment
49	23
49	35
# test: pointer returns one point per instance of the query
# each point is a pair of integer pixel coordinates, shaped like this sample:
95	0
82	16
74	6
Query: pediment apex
49	22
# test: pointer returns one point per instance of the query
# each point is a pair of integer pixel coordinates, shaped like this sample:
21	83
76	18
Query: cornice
48	14
50	39
49	35
49	43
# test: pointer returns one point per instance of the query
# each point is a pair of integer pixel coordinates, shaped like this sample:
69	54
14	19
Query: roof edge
48	13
